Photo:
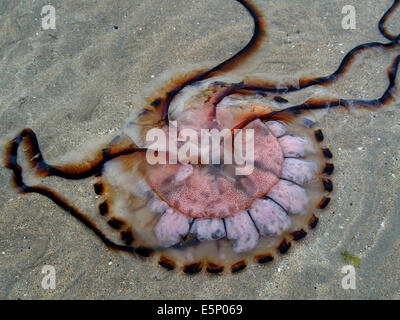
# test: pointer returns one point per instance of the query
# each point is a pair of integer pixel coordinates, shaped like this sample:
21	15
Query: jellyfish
194	213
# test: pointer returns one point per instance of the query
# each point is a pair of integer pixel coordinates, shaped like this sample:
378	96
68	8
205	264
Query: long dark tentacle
73	172
37	161
325	80
303	83
382	22
226	65
324	104
317	104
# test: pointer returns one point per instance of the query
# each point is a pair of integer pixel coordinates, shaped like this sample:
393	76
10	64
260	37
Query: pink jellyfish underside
199	216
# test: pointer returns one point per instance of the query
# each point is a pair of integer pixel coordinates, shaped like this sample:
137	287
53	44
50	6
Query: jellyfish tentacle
270	87
11	162
251	46
229	64
61	202
303	82
384	19
315	104
73	171
324	80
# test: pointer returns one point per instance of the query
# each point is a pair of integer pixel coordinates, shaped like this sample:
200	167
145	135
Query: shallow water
80	81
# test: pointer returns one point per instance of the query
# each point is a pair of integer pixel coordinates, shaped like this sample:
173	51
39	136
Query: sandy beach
80	81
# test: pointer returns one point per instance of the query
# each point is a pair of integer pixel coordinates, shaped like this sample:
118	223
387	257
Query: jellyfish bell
198	216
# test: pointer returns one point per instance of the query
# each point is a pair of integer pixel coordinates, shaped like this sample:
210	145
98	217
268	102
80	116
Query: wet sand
80	81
